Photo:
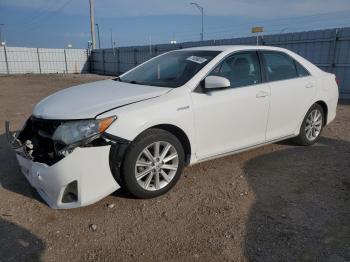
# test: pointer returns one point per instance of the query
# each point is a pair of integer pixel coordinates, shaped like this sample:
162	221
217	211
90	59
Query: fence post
118	61
6	61
103	62
39	64
65	60
88	60
333	49
114	63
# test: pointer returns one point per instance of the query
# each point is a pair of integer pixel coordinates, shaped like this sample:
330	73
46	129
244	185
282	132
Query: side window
301	70
279	66
242	69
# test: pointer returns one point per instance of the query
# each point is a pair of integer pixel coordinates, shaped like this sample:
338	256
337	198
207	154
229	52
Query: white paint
212	82
231	119
88	100
89	166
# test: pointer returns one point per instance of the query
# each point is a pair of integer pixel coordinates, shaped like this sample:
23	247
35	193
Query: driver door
233	118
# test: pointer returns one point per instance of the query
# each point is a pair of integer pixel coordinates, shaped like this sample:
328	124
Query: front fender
173	108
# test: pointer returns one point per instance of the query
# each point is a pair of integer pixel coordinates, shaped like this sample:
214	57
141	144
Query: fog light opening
70	193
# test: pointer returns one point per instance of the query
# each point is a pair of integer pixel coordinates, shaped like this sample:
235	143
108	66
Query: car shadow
123	193
11	177
302	204
18	244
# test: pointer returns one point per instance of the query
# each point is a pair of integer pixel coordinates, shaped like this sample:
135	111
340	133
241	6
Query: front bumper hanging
81	178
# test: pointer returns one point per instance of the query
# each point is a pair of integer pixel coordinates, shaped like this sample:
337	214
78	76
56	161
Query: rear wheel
311	127
153	164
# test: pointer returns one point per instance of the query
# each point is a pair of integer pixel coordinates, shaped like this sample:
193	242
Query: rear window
279	66
301	70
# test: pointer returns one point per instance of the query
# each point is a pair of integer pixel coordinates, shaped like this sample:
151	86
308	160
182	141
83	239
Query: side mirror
214	82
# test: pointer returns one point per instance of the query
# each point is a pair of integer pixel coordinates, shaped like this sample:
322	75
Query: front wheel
311	127
153	164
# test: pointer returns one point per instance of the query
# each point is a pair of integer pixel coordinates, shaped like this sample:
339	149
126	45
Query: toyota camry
139	130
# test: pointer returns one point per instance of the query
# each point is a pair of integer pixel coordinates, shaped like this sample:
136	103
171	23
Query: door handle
262	94
309	85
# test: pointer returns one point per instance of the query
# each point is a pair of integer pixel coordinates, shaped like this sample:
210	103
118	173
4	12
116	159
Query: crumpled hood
88	100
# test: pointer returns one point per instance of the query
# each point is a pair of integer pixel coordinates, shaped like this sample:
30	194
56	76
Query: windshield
173	69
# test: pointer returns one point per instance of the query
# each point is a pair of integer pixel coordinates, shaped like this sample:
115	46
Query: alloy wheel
313	125
156	165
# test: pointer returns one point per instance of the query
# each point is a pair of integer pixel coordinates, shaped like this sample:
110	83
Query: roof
233	48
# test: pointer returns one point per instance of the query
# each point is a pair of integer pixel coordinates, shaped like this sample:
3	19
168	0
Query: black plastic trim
115	138
262	67
116	158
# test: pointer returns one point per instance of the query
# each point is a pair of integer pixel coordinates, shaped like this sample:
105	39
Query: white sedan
138	131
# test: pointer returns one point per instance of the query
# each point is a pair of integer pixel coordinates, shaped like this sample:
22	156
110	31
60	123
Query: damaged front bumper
81	178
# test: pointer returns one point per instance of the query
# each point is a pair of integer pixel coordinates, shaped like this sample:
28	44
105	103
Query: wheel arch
324	108
181	135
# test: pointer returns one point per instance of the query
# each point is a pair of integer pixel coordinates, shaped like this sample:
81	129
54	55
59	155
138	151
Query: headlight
76	131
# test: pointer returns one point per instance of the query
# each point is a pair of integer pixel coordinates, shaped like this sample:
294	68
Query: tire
310	131
136	174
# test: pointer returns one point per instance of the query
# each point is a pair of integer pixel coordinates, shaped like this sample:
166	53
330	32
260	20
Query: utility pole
112	42
98	36
92	25
201	9
111	37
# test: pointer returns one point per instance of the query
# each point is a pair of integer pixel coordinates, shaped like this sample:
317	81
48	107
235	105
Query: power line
42	11
48	16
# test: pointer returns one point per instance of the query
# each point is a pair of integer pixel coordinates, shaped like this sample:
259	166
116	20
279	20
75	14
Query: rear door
292	89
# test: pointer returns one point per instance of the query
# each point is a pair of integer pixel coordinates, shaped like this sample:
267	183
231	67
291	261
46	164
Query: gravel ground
277	203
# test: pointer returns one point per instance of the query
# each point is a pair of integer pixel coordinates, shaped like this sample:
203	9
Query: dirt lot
276	203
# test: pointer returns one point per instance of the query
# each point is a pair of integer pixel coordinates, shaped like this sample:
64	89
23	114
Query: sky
57	23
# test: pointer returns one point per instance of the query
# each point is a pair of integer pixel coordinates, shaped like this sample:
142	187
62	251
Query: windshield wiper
137	83
130	82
